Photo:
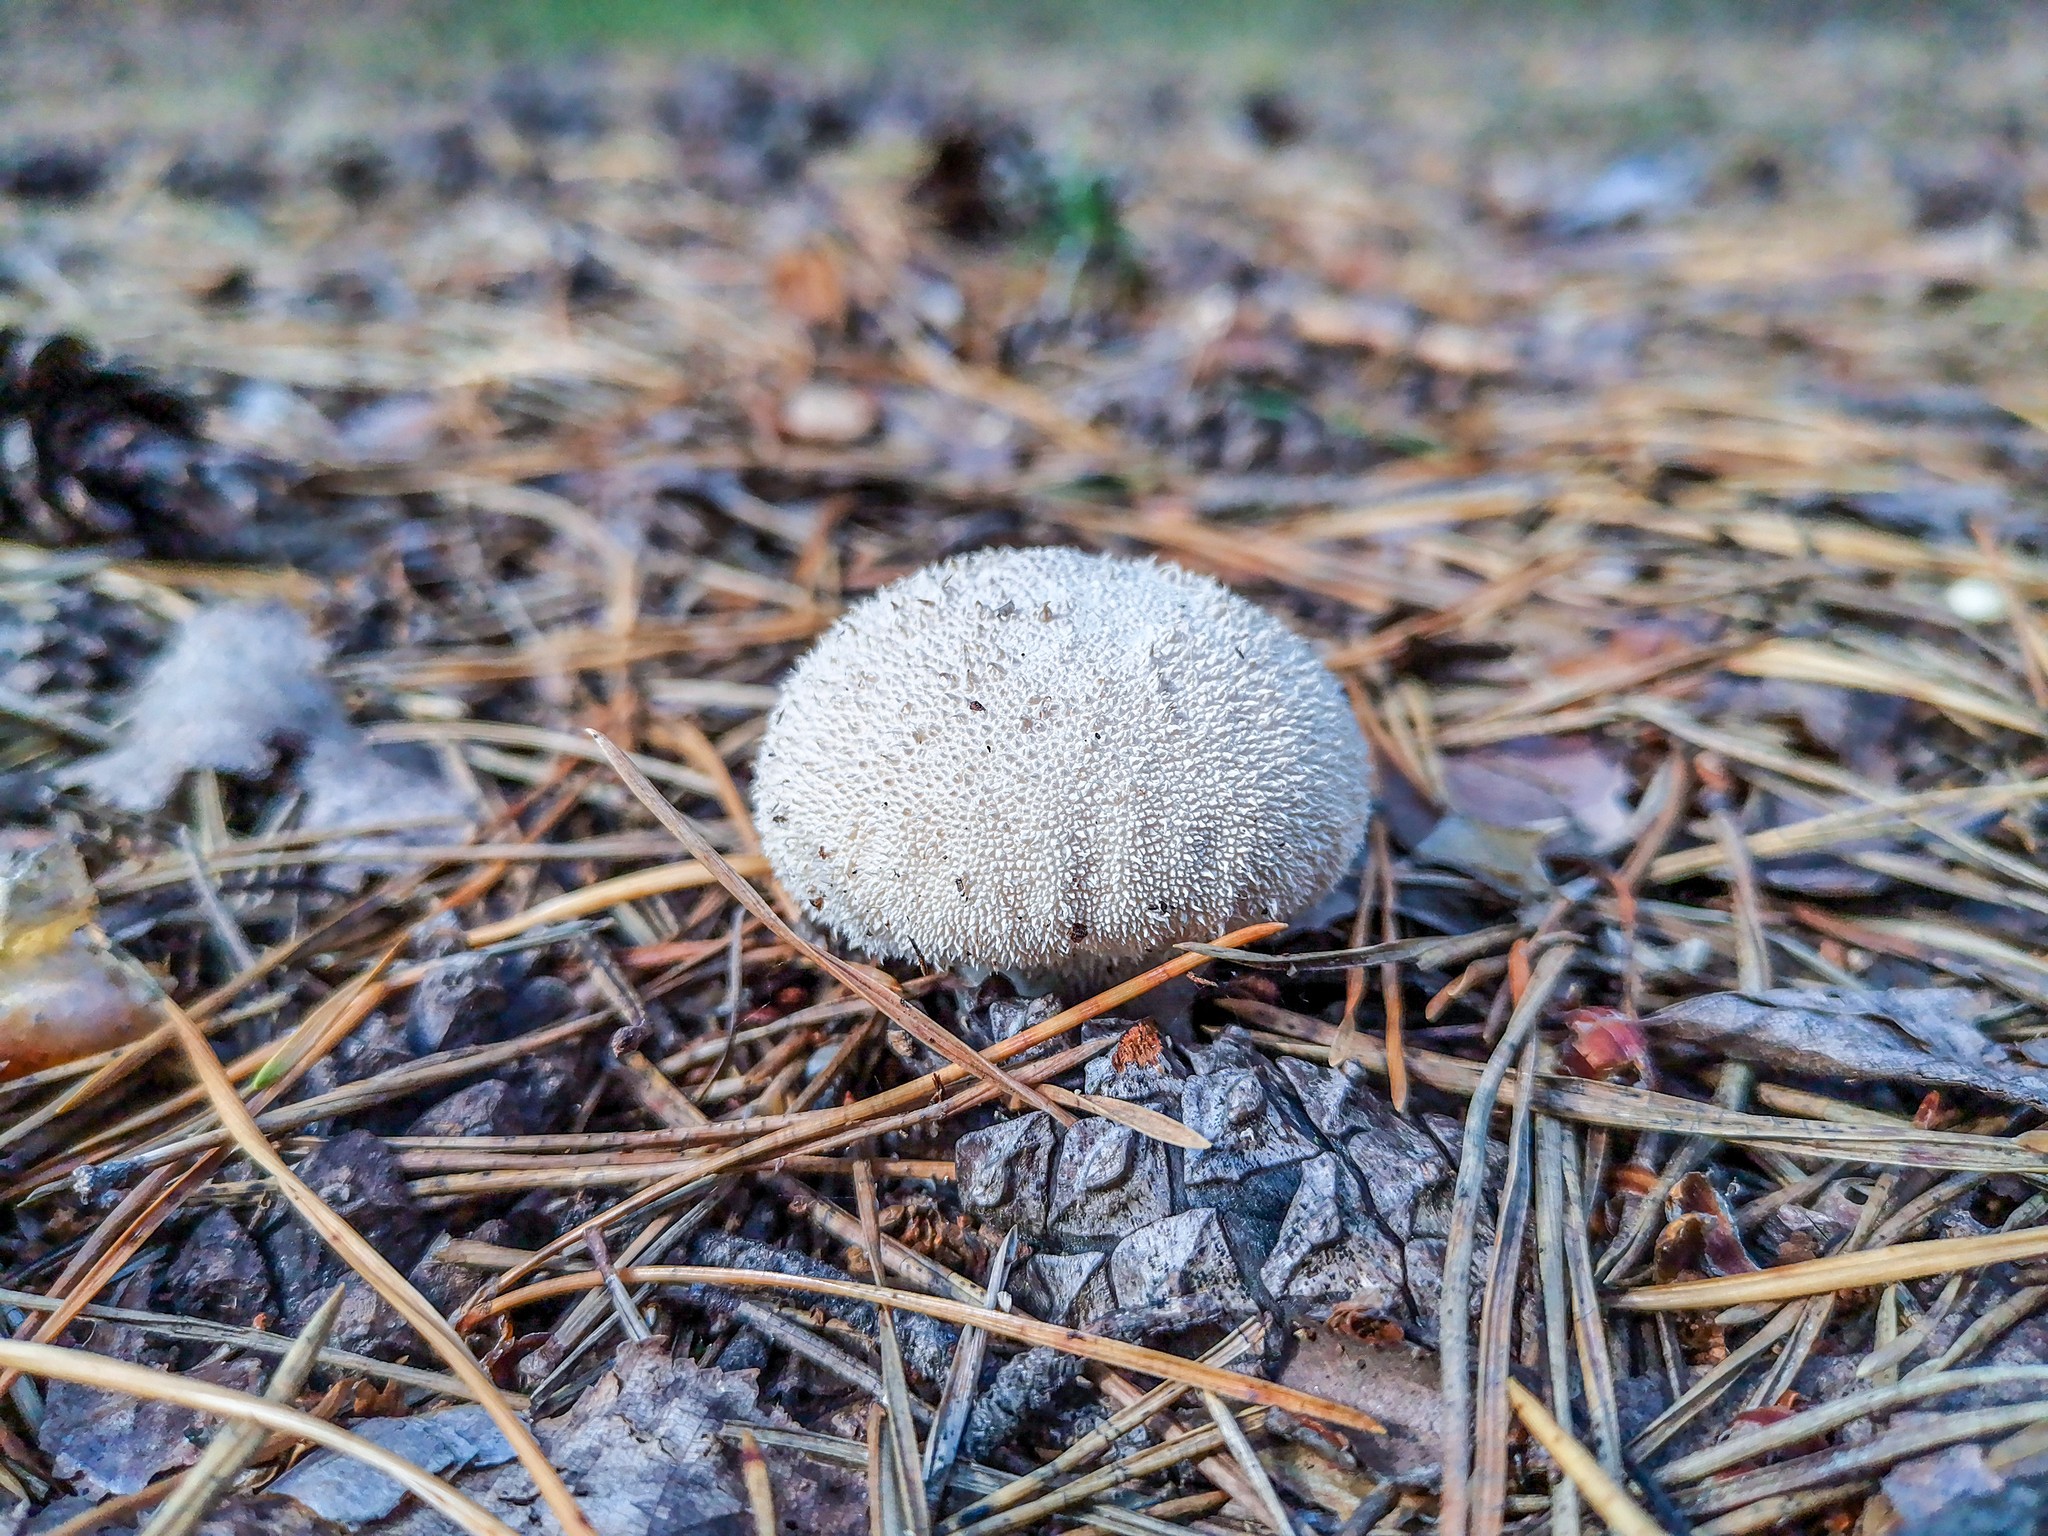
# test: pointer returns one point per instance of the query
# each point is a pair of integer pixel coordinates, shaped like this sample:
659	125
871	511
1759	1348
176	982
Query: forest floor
1651	430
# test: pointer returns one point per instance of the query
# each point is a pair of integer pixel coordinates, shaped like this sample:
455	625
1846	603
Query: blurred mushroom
1047	762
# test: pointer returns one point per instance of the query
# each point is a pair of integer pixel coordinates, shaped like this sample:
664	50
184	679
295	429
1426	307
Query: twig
1247	1459
854	979
1390	973
628	1315
1557	1327
1341	1048
1497	1319
1454	1318
203	1331
1589	1324
225	928
881	1486
378	1270
238	1442
119	1376
1113	1352
1609	1500
732	1003
949	1423
684	875
895	1385
1840	1272
760	1489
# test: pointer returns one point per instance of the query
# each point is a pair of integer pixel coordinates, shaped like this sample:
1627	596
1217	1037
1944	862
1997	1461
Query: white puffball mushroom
1046	762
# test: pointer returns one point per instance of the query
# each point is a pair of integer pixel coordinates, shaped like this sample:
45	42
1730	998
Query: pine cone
1312	1195
92	452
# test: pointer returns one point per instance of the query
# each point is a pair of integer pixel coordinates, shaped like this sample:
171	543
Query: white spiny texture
1045	762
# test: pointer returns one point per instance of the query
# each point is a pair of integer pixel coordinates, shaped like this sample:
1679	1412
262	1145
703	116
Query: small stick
1390	973
200	1330
225	928
375	1268
121	1507
733	976
57	1363
942	1446
683	875
878	1481
1010	1325
1454	1321
1676	774
1497	1318
1346	1044
238	1442
1551	1153
854	979
1248	1462
1609	1500
1589	1325
630	1321
895	1385
1839	1272
760	1490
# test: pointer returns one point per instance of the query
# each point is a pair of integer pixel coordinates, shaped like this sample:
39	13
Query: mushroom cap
1044	761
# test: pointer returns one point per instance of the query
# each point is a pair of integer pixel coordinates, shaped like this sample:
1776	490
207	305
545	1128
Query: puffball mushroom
1047	762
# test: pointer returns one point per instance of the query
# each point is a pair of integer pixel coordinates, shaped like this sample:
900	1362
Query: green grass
1345	48
868	28
863	29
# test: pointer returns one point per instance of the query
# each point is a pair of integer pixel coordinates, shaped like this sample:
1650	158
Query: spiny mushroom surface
1045	762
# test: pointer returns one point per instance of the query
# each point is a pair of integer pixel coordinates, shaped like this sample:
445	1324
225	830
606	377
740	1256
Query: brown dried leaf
1925	1036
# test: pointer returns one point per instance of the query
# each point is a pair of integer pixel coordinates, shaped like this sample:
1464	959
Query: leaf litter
1655	460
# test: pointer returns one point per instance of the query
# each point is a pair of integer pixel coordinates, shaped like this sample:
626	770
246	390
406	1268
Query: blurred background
1304	237
819	29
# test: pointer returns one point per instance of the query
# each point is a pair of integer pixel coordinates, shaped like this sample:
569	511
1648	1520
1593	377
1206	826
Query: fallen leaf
1925	1036
340	1489
1700	1240
1603	1042
1507	858
640	1450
